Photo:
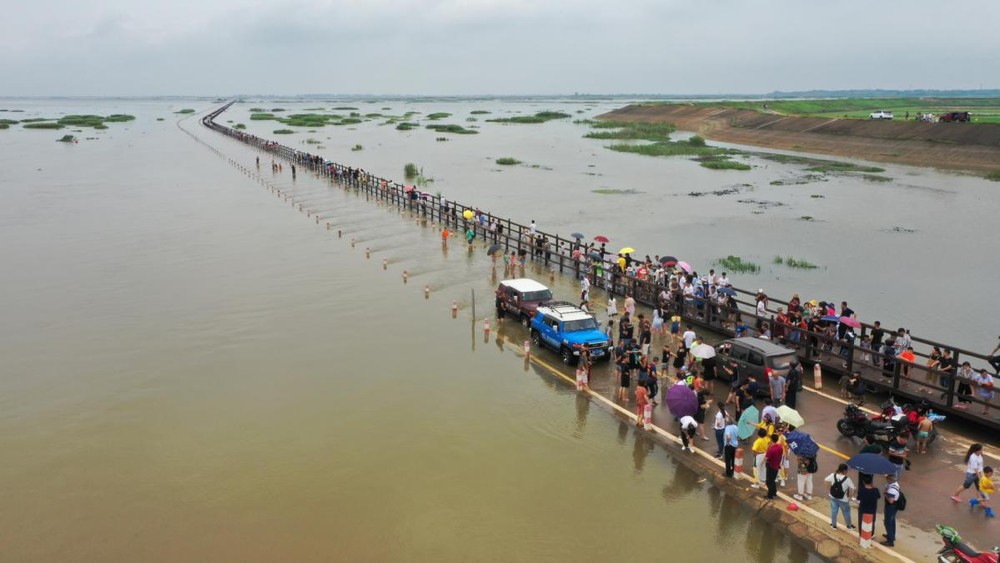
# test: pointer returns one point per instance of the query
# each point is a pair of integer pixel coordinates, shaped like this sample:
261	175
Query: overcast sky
224	47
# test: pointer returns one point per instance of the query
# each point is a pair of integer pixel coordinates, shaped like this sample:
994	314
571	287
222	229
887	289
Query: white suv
880	114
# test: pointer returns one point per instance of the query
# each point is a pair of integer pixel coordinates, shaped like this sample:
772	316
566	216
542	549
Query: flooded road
193	369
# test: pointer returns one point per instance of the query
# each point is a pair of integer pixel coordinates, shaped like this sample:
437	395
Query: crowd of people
816	323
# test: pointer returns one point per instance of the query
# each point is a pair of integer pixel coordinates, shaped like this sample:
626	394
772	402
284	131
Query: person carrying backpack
841	487
894	502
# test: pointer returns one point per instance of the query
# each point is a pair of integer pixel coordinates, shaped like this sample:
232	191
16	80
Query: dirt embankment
957	146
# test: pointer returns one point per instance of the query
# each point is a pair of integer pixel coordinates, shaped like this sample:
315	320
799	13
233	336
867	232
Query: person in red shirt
772	461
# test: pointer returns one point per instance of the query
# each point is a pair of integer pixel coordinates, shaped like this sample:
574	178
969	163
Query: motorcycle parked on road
955	551
857	424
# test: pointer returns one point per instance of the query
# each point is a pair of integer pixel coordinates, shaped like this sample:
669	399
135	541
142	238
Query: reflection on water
196	370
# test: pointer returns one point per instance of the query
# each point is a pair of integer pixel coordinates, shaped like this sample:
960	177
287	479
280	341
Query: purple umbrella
681	400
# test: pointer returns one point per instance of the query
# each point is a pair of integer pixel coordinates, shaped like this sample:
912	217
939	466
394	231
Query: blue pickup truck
567	329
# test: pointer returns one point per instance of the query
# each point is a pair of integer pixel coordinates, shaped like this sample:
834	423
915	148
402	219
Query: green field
984	110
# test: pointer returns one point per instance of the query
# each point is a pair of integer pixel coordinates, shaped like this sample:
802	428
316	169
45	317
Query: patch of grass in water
349	121
438	115
799	264
736	264
778	260
311	141
344	108
411	170
161	119
656	132
612	191
8	122
669	148
993	176
240	126
479	112
37	119
507	161
261	116
540	117
66	139
721	164
452	128
283	131
185	110
252	110
406	126
357	148
875	178
817	196
43	125
806	218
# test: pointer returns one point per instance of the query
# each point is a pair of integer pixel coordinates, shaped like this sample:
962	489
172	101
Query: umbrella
851	322
426	195
801	444
409	189
872	464
681	400
748	422
602	238
668	261
727	291
790	415
492	249
577	236
685	266
703	351
468	214
595	255
626	250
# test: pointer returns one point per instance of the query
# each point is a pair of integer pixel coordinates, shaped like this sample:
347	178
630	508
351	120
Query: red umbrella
409	189
851	322
602	238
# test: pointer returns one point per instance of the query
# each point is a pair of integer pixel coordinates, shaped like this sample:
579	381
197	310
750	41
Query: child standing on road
986	489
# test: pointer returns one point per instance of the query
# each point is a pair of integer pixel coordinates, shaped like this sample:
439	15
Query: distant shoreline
952	146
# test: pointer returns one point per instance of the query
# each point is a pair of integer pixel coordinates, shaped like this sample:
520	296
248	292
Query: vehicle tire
525	321
536	339
567	356
931	436
845	428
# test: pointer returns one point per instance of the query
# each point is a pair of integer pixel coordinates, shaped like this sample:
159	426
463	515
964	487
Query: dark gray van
754	356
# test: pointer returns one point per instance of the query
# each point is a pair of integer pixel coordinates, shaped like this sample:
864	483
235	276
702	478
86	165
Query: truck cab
567	329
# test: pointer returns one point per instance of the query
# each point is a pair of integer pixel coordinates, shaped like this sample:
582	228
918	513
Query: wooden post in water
473	307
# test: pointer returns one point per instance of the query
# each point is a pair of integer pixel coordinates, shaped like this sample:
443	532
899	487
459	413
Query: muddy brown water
195	370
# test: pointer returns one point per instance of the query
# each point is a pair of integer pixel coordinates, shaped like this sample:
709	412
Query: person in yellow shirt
986	489
759	448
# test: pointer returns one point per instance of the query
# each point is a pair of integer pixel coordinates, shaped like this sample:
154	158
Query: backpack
812	466
900	499
837	488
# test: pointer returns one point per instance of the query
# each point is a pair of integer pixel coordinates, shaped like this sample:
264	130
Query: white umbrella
703	351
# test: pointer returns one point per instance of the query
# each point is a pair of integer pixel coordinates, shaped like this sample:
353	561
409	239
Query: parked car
952	116
567	329
754	356
880	114
520	297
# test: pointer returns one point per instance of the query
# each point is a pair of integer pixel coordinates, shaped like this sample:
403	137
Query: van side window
756	358
738	353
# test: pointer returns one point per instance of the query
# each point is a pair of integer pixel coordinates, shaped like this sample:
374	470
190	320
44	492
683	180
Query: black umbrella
668	260
872	464
577	236
492	249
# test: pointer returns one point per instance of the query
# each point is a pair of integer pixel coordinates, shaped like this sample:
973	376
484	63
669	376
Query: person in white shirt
532	227
840	503
973	470
688	427
719	425
689	337
723	280
585	288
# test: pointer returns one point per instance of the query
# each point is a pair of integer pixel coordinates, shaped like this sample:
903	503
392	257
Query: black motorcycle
857	424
